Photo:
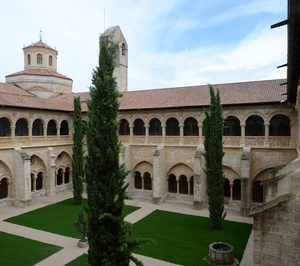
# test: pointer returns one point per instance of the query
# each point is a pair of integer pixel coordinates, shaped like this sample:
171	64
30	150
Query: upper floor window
172	127
39	59
21	127
255	126
64	128
124	49
138	127
124	127
280	126
4	127
155	127
232	126
50	60
28	59
190	127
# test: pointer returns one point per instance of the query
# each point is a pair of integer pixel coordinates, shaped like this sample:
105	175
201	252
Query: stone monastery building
162	142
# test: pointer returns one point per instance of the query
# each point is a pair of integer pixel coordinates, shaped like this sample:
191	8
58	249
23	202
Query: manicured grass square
57	218
184	239
80	261
16	250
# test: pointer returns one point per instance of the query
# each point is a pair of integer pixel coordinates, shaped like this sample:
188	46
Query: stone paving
70	250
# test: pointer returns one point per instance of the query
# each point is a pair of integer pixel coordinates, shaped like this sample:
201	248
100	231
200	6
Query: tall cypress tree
107	231
213	144
77	157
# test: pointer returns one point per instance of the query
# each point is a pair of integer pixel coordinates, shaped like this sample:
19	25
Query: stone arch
64	128
190	127
172	183
183	184
230	174
147	181
137	180
38	171
255	126
172	127
232	126
256	185
155	128
38	127
227	193
63	165
182	174
52	127
124	127
5	174
280	125
139	127
236	189
22	127
5	127
181	169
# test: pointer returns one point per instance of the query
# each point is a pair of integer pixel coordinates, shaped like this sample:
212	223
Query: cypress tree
77	157
108	233
213	144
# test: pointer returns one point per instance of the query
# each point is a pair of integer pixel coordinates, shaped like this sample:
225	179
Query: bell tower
115	35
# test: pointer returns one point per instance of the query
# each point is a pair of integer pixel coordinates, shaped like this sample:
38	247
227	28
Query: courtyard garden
177	238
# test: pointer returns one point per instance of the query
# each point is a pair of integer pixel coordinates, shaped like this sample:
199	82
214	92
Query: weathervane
40	35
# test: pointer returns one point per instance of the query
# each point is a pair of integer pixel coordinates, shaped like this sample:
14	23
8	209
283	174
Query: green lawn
184	239
16	250
57	218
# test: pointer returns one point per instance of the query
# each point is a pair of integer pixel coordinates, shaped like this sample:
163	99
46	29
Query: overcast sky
171	42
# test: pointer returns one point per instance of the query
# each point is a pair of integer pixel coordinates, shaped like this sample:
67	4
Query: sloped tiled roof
242	93
253	92
40	44
39	72
14	96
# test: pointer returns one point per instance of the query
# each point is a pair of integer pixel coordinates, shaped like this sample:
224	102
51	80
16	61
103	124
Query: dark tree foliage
213	144
77	157
108	233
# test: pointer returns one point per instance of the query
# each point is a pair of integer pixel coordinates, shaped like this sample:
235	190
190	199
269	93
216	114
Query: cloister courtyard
44	233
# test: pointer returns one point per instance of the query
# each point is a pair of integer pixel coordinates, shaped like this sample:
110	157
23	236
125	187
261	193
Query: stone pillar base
50	193
22	203
156	200
244	211
197	205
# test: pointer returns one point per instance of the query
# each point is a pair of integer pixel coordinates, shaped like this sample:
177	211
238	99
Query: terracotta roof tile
40	44
254	92
39	72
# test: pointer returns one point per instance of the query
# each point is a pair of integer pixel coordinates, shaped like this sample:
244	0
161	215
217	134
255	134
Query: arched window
257	192
138	127
191	127
124	49
226	188
32	181
28	60
64	128
3	188
21	127
172	127
59	177
155	127
147	181
232	126
192	185
37	128
255	126
236	189
137	180
50	60
280	126
51	128
67	175
183	185
124	127
4	127
39	181
172	184
39	59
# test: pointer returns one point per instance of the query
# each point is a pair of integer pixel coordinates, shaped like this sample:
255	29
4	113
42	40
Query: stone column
147	134
34	183
181	134
189	187
22	178
163	133
45	130
159	178
200	197
200	134
30	131
131	134
51	176
13	132
267	128
243	140
177	185
125	159
245	181
231	186
63	177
